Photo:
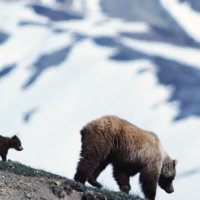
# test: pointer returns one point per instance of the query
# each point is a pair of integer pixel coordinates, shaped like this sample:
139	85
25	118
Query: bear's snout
20	148
169	189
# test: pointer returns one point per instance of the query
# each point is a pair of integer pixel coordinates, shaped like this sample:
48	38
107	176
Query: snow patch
185	15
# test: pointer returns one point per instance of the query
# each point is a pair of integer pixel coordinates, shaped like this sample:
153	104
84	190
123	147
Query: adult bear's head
167	175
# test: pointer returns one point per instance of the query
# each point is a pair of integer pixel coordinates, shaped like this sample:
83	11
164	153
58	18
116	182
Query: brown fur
6	143
130	150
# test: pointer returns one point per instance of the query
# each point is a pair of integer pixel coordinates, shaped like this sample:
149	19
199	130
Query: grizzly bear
6	143
130	150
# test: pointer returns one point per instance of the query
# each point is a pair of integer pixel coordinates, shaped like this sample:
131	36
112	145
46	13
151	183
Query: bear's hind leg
122	179
95	149
84	170
4	157
93	178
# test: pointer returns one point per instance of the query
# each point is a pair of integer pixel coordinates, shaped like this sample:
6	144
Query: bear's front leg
149	180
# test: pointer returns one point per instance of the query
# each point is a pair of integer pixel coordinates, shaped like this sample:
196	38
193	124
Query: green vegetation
24	170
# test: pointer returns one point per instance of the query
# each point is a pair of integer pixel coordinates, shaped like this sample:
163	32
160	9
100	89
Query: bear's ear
175	163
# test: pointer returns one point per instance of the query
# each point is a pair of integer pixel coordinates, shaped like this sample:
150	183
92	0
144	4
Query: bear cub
7	143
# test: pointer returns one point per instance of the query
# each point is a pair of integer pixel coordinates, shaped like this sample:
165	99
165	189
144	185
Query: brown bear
6	143
130	150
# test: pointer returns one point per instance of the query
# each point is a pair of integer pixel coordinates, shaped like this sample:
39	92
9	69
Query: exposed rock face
193	3
149	11
171	73
3	37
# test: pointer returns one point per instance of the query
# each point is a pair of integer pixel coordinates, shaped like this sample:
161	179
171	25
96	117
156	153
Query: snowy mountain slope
59	72
163	26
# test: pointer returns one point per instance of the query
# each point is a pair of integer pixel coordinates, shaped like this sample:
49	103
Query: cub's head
168	173
16	143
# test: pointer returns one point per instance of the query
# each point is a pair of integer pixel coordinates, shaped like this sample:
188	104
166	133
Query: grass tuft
24	170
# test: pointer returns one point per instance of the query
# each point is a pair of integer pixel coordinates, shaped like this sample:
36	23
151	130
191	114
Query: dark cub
7	143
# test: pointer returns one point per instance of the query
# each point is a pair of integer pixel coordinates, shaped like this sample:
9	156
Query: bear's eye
171	178
17	144
164	180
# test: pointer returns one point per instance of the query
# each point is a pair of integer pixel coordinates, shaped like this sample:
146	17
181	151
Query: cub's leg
4	157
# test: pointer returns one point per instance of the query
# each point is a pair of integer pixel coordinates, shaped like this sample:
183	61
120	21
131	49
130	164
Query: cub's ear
175	163
14	137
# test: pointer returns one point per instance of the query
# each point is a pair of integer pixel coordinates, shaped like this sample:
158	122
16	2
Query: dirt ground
19	187
21	182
